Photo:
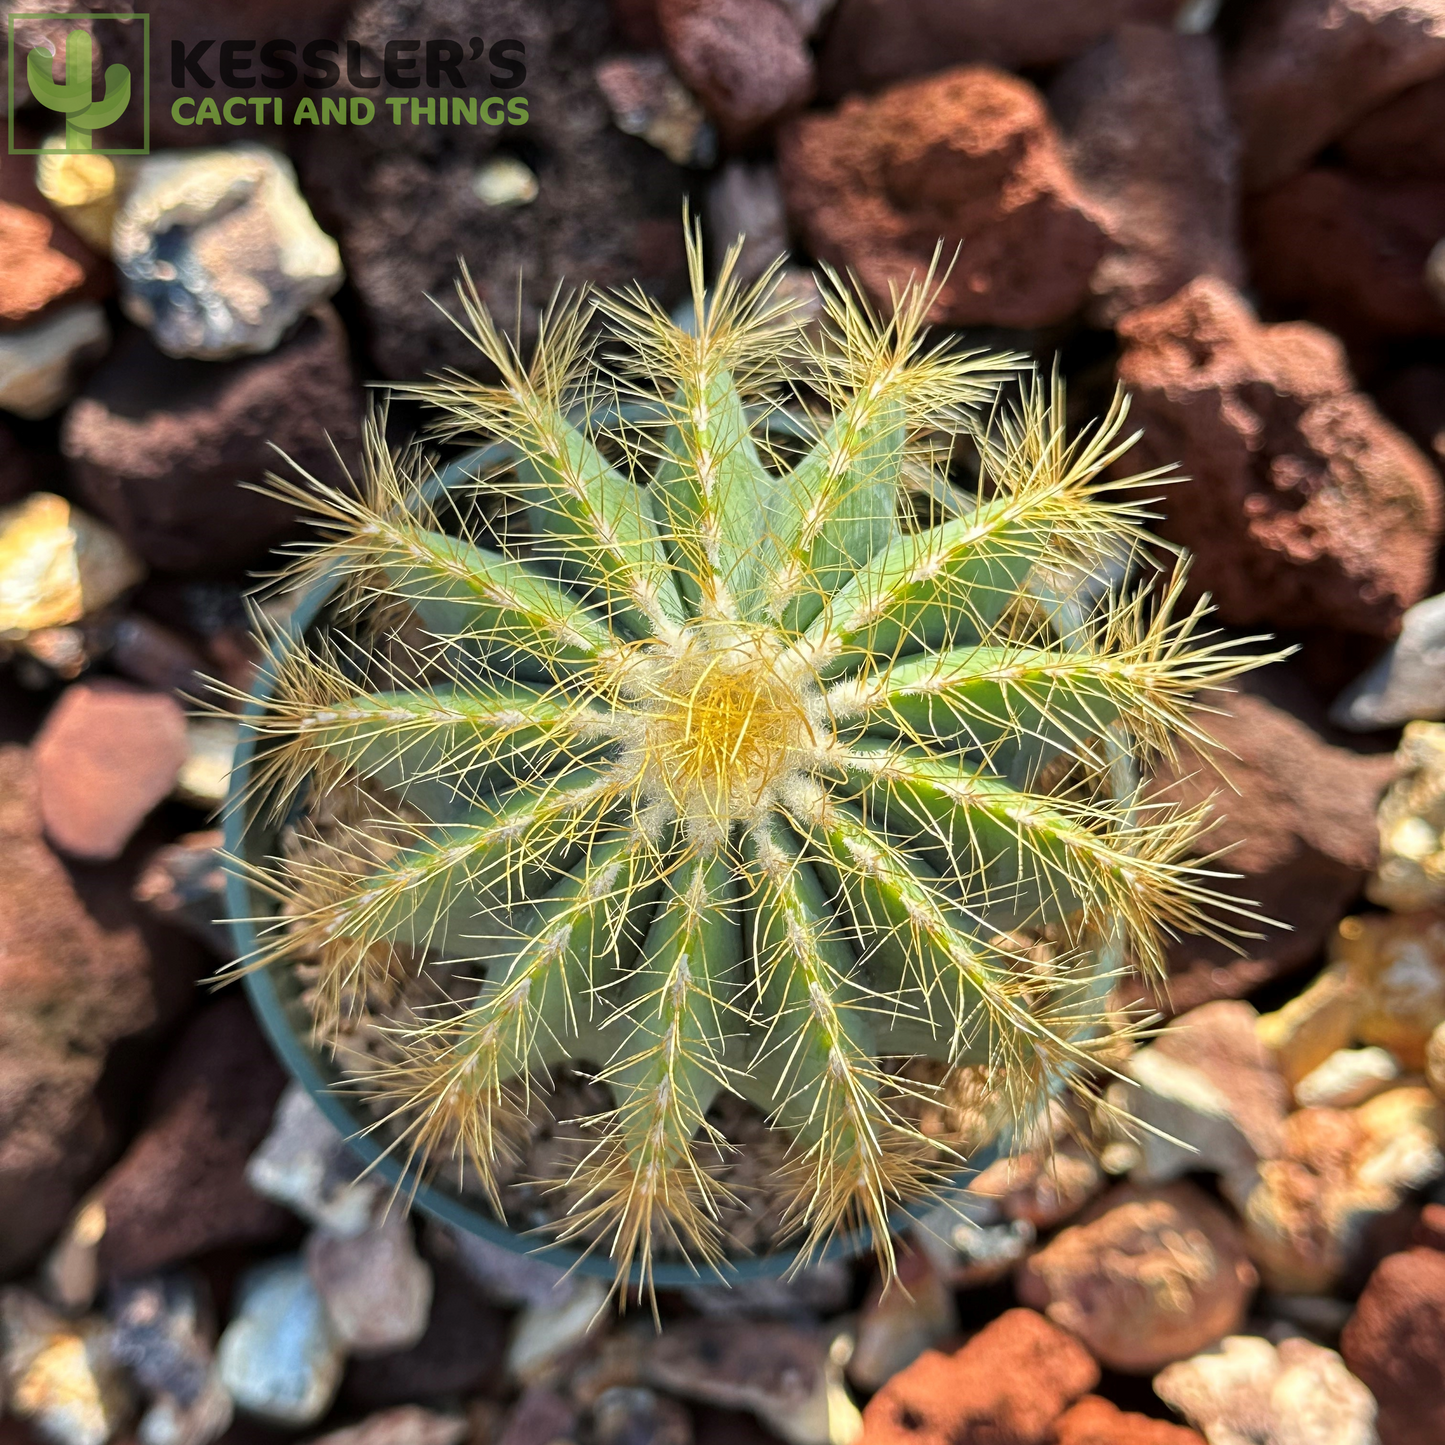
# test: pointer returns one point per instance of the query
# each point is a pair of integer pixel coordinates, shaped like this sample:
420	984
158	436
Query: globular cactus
764	758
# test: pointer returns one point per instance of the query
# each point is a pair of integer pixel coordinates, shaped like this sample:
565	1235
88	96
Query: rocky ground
1237	211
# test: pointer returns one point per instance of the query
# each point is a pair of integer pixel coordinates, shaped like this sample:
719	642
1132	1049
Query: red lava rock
746	60
1097	1421
1395	1341
1296	818
161	448
1303	505
1349	252
43	264
1404	138
107	753
80	969
870	43
1146	1276
1006	1386
969	158
180	1189
1149	138
1305	71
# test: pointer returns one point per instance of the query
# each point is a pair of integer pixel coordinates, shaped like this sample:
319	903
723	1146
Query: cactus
72	97
763	758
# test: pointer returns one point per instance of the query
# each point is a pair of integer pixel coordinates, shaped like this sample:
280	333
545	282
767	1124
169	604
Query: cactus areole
717	728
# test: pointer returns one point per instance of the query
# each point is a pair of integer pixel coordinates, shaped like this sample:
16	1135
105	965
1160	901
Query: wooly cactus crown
760	757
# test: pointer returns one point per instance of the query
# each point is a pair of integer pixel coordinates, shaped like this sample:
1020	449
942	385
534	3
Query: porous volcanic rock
1304	71
1293	814
1303	505
1148	135
180	1189
746	60
81	969
1097	1421
870	43
401	200
162	448
1009	1383
1349	252
966	159
1395	1341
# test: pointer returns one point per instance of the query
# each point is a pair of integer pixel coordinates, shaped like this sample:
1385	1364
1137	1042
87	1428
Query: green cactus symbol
766	761
72	98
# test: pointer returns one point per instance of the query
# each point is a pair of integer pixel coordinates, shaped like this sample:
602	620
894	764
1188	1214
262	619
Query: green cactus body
72	96
739	770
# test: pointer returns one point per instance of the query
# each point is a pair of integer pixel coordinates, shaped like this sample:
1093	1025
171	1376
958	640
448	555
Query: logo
85	106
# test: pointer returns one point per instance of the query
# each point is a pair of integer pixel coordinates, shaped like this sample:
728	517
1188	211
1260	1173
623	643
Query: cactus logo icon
87	101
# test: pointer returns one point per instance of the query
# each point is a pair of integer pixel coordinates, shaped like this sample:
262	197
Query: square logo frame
144	149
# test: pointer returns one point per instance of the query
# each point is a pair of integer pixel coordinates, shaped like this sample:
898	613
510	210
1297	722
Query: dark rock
43	264
538	1418
628	1416
155	654
161	448
1304	71
1295	817
1148	135
184	883
1349	252
107	753
461	1353
180	1189
400	199
1303	505
1395	1341
746	60
1009	1383
161	1331
870	43
967	159
1404	139
17	472
80	970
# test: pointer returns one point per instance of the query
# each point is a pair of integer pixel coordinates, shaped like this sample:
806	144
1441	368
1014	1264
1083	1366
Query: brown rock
401	202
1147	1276
540	1417
163	448
1149	139
1430	1228
180	1189
1303	505
1349	252
17	475
404	1425
1296	817
1097	1421
1340	1174
106	755
901	1319
1008	1384
1403	139
80	969
43	264
1306	70
871	43
968	159
746	60
1395	1342
1044	1186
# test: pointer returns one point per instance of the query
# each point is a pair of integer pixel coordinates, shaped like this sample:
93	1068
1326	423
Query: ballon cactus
758	756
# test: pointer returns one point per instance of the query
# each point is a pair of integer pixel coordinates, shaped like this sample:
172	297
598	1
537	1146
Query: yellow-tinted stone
57	565
85	189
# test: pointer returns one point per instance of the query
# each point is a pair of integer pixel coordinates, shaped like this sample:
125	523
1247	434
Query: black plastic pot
276	999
